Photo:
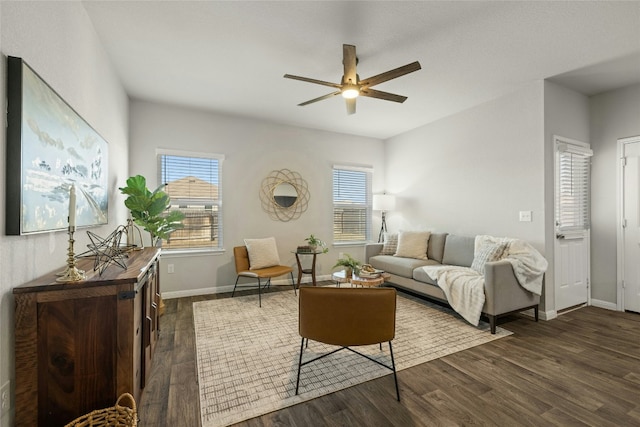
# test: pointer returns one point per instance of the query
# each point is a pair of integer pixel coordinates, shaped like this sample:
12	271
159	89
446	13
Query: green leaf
149	209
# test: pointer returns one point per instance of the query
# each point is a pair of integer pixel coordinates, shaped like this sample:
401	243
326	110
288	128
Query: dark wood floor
582	369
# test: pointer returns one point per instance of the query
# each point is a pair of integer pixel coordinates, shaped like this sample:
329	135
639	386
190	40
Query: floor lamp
383	203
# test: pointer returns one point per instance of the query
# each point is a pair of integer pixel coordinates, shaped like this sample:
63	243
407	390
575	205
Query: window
192	180
351	204
573	164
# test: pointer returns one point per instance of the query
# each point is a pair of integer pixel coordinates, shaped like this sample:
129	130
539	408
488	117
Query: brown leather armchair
241	258
347	317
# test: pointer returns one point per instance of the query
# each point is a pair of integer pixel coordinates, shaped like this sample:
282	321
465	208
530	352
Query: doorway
572	226
629	225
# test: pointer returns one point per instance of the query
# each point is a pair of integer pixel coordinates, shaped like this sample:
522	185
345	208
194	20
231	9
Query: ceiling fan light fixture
350	91
351	87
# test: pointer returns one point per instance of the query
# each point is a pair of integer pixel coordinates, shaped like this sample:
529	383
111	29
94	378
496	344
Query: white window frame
573	175
178	202
367	205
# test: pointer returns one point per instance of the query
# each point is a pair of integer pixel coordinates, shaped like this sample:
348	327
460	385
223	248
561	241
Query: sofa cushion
458	250
421	276
487	252
435	250
397	265
413	244
390	244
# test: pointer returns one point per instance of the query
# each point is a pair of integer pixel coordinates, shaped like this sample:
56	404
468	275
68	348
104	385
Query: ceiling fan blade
371	93
320	98
392	74
349	62
351	105
306	79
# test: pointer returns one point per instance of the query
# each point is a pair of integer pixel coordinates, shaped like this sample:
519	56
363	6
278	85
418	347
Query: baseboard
548	315
542	315
196	292
604	304
305	279
229	288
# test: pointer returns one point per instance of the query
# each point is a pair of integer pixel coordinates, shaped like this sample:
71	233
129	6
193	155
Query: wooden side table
312	270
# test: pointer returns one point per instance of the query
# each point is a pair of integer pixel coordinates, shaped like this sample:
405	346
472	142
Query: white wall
566	113
614	115
58	41
471	173
252	149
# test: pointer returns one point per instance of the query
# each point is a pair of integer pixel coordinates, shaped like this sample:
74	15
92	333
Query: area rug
248	356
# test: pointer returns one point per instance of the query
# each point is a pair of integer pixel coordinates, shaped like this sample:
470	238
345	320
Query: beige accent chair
347	317
241	257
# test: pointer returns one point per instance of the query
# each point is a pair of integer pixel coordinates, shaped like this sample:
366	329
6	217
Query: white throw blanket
528	264
464	287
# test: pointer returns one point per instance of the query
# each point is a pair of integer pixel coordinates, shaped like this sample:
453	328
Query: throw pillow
413	244
390	244
263	253
487	252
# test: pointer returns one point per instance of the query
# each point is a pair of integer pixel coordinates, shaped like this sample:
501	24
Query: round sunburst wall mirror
284	195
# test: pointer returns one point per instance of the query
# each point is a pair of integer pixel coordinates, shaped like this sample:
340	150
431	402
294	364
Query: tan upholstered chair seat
275	271
243	269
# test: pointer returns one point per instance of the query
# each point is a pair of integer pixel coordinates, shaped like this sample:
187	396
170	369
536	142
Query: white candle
72	206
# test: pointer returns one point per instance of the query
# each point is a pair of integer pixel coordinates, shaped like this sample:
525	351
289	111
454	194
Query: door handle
559	236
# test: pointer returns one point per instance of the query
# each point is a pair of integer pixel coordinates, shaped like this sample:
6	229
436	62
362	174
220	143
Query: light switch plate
525	216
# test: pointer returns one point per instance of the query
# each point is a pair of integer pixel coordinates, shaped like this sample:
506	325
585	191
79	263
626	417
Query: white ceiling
230	56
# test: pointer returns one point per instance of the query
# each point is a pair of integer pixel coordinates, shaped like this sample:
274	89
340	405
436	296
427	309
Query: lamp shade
384	202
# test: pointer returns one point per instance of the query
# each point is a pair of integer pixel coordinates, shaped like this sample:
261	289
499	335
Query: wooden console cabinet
78	346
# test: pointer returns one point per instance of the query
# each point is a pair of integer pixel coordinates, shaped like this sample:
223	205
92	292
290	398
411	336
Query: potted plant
150	209
316	243
350	265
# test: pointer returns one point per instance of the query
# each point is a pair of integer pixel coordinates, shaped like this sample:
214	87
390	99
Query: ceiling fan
351	86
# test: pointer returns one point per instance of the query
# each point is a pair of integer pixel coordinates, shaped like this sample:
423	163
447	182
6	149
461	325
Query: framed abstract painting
50	148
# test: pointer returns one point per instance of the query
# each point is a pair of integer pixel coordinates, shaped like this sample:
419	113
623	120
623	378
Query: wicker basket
122	414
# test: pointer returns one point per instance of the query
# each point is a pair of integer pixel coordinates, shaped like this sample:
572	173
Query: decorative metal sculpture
107	251
284	195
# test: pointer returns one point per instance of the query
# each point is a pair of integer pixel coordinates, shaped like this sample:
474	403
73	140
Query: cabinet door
151	299
76	369
154	285
136	364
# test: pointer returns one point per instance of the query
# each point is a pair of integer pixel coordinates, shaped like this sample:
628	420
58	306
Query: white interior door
631	225
572	253
572	267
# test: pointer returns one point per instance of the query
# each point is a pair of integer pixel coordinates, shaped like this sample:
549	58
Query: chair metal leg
300	364
259	294
293	284
395	376
234	286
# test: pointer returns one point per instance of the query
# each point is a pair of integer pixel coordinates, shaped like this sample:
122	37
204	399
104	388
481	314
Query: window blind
190	178
193	183
351	204
573	165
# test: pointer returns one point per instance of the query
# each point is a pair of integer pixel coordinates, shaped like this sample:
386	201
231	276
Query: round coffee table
341	277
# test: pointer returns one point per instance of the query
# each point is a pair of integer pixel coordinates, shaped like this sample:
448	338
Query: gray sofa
503	293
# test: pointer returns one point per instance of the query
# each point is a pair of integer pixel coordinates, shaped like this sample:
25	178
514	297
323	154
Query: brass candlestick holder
71	273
